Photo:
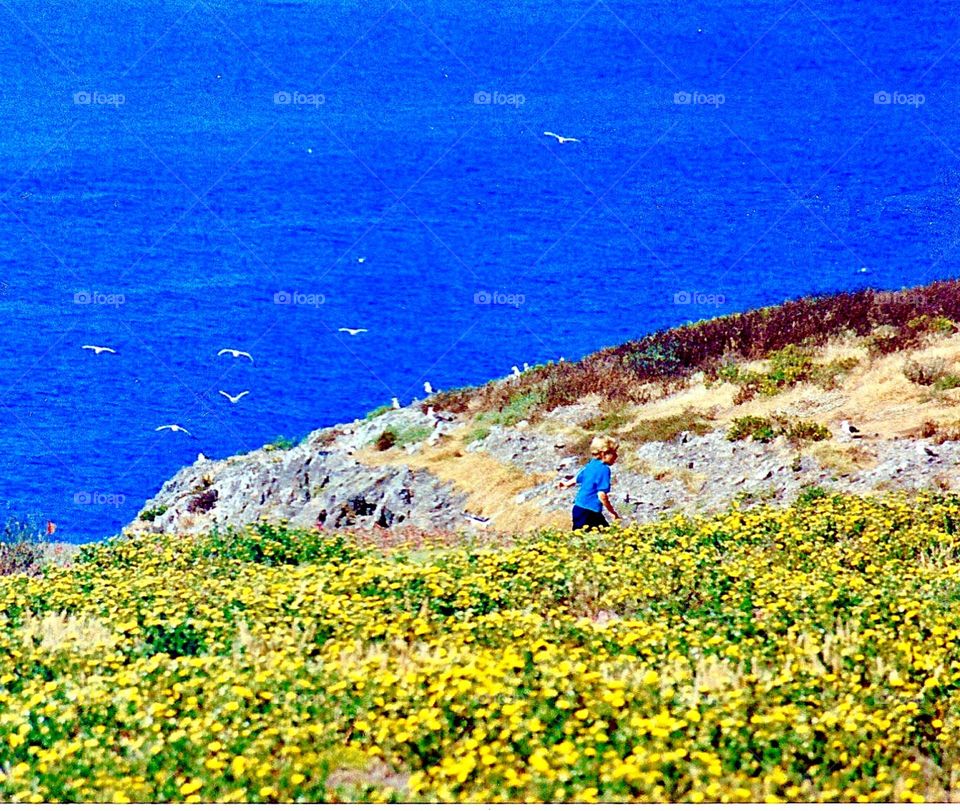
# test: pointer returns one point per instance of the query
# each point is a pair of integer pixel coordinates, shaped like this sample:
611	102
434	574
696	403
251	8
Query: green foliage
401	437
281	443
655	359
764	429
665	429
476	434
936	324
276	545
381	409
810	494
153	512
758	428
948	381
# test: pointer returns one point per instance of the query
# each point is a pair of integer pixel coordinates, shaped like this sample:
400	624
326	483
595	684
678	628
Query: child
594	481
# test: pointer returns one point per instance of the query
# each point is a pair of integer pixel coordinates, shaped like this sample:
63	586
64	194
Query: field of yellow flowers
808	653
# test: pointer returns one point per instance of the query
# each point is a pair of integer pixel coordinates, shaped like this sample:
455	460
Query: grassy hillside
645	369
808	653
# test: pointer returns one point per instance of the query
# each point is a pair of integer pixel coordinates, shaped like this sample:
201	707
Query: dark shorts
587	519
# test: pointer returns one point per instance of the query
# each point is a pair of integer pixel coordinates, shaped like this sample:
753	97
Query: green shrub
948	381
807	431
764	429
810	494
924	372
153	512
281	443
665	429
478	433
381	409
401	437
759	428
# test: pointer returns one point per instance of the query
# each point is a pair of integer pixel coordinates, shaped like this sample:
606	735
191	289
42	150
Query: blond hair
599	444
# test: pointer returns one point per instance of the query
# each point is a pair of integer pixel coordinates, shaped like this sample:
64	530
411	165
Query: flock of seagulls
173	427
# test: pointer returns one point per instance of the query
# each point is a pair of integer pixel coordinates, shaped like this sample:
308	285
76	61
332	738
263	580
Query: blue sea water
157	197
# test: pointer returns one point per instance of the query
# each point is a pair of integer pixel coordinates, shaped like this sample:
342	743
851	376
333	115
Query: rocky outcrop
323	483
315	484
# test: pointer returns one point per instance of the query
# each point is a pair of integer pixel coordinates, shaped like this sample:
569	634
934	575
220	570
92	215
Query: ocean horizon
473	185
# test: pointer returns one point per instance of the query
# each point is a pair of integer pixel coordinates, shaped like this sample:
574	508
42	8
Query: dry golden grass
491	486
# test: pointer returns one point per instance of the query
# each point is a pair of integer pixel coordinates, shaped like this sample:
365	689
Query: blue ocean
187	176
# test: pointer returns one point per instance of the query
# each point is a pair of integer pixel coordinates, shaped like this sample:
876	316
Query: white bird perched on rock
234	398
237	353
562	139
526	366
477	519
427	387
516	370
850	431
173	428
99	349
351	330
394	403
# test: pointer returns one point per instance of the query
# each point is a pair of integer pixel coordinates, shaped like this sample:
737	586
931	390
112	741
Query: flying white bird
351	331
173	428
361	259
561	139
235	352
98	349
395	403
427	387
234	399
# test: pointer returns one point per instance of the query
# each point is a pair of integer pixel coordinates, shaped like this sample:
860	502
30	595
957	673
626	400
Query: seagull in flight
173	428
99	349
234	399
235	352
561	139
351	331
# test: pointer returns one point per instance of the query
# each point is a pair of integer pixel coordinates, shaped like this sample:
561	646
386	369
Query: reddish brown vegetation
625	373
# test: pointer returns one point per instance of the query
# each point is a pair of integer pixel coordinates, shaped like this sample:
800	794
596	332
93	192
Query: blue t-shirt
593	479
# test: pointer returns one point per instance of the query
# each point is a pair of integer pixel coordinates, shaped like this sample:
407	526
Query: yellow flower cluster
800	654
